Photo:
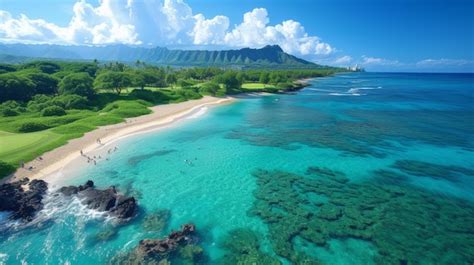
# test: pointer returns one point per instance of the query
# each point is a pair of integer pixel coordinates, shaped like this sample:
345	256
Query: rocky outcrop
178	245
108	200
23	198
161	248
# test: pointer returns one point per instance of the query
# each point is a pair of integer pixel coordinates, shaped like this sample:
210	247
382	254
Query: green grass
109	108
257	86
16	147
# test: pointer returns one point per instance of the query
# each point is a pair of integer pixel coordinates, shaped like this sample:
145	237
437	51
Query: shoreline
162	116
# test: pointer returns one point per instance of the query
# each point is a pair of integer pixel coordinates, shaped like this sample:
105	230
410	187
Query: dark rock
23	198
125	207
107	200
161	248
179	246
69	190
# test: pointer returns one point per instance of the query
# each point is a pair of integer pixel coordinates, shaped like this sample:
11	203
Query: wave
3	258
56	208
344	94
199	113
320	90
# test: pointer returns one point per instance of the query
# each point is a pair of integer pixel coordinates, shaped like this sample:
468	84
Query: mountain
268	56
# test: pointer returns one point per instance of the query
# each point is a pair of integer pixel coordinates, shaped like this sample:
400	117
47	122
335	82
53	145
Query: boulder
161	248
180	246
23	198
107	200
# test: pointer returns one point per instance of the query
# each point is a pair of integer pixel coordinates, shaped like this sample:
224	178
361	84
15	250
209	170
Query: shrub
284	85
53	111
210	88
6	169
77	83
70	101
8	112
32	127
143	94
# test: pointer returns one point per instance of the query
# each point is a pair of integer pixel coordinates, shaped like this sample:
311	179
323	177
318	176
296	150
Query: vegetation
45	104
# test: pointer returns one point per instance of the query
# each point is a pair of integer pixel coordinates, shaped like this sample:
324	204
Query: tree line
22	82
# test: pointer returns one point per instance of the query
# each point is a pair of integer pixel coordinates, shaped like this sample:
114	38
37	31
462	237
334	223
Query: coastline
162	116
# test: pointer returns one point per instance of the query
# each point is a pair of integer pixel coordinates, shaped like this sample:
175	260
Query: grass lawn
256	86
16	147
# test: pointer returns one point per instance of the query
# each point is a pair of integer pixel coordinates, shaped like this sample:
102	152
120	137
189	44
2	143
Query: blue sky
383	35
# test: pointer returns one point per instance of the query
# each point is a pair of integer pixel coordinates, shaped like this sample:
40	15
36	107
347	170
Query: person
82	153
22	164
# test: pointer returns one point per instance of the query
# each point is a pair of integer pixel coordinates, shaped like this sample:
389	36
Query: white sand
163	116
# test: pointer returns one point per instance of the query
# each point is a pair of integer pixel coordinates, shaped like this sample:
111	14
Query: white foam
320	90
57	207
344	94
3	258
199	113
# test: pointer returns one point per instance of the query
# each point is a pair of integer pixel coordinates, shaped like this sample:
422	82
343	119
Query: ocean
357	168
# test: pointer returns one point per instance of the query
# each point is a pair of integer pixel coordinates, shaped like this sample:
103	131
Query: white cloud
343	60
371	61
254	31
161	22
209	31
443	62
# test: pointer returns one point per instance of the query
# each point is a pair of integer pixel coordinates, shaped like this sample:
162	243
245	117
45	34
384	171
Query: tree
184	83
45	67
209	88
230	81
77	83
44	84
171	79
15	87
241	77
113	80
264	78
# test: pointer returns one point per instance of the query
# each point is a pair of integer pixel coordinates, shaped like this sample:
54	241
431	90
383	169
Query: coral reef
425	169
243	247
405	224
157	221
360	133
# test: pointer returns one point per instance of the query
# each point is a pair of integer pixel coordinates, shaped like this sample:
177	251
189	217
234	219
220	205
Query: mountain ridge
267	56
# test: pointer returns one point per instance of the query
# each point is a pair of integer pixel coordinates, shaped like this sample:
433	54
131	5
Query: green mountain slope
269	56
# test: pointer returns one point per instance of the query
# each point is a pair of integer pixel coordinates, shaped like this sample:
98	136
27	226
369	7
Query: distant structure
355	68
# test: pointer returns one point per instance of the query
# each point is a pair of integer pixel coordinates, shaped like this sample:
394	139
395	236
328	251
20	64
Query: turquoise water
383	134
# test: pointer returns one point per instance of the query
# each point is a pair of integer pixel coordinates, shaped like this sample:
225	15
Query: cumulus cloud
343	60
161	22
370	61
443	62
254	31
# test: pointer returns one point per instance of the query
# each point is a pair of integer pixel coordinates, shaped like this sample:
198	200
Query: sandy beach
162	116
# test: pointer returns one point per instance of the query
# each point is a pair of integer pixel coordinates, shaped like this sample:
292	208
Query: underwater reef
405	224
359	133
178	247
243	247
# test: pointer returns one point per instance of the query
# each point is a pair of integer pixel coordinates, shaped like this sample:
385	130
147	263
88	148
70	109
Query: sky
379	35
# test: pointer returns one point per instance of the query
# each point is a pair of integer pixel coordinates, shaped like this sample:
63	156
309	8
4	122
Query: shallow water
357	169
